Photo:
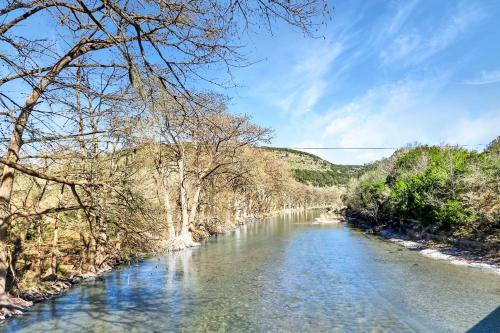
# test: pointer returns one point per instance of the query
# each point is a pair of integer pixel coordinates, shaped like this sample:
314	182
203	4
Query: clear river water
283	274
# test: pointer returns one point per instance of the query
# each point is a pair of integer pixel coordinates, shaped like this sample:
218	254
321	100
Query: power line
379	148
345	148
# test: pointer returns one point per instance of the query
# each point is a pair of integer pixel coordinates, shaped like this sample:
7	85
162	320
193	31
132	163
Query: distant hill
311	169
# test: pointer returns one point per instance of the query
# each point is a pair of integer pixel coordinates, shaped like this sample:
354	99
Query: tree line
441	190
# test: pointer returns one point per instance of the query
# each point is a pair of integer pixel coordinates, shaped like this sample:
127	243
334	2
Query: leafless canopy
78	76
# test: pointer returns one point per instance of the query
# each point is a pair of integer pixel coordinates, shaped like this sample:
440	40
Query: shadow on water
490	323
133	297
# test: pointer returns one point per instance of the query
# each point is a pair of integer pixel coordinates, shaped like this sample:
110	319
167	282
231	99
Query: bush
444	188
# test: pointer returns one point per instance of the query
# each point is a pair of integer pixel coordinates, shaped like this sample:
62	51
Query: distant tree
494	146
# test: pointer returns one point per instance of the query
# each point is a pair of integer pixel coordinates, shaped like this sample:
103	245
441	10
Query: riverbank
441	251
280	275
23	300
20	302
427	245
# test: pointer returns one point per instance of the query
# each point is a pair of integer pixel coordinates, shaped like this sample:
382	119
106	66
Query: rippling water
281	275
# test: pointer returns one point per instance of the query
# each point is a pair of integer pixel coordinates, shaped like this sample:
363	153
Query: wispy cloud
400	17
485	77
385	78
403	46
299	91
392	115
419	43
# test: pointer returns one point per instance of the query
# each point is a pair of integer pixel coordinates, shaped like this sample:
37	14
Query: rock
51	277
16	312
75	279
88	276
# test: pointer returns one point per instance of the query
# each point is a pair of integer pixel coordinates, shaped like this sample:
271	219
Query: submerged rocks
51	286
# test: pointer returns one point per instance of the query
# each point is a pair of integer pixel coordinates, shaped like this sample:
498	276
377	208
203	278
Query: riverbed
283	274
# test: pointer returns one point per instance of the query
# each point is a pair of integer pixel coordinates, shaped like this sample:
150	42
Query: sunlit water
279	275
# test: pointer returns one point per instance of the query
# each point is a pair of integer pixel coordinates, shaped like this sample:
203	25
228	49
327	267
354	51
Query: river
279	275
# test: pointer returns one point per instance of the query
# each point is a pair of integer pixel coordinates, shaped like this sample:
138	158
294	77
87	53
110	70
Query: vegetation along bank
443	197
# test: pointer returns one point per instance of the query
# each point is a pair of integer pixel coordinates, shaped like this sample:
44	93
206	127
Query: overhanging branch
38	174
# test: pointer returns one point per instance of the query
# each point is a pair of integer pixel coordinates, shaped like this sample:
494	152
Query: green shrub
450	215
444	188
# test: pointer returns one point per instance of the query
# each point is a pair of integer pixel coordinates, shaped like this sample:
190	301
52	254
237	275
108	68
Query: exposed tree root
181	242
12	306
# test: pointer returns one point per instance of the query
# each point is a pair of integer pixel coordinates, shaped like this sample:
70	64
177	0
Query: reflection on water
280	275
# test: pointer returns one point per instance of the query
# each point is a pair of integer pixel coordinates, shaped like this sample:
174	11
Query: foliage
446	189
292	151
338	175
313	170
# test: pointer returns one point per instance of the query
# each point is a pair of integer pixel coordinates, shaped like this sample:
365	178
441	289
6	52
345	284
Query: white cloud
419	44
400	18
393	115
469	129
375	105
340	125
464	18
403	46
485	77
300	90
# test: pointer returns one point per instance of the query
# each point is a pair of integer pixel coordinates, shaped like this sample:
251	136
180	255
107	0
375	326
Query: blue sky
386	73
380	73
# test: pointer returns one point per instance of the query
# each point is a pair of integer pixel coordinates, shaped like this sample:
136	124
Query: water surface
280	275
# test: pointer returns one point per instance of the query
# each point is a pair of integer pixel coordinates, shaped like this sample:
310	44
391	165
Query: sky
380	74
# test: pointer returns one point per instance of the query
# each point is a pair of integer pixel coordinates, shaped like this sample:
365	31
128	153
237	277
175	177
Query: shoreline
18	305
435	250
15	306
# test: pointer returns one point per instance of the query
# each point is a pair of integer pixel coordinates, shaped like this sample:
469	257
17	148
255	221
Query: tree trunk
184	238
83	253
4	260
170	217
91	255
183	195
7	182
100	242
39	262
55	238
237	209
55	250
196	203
168	210
14	148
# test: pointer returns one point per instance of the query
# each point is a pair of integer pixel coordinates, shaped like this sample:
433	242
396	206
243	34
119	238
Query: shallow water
279	275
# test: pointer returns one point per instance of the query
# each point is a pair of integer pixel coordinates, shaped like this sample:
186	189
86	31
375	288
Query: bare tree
194	141
126	41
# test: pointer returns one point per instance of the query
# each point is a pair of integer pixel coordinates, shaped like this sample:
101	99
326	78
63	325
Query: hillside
310	169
